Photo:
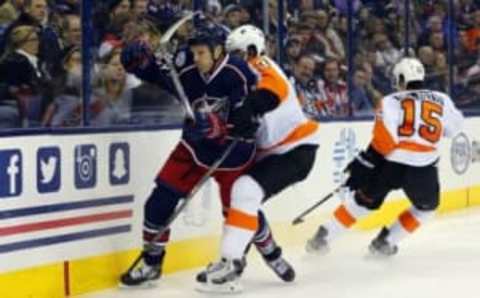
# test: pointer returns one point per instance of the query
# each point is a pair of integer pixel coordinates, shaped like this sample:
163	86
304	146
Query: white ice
441	260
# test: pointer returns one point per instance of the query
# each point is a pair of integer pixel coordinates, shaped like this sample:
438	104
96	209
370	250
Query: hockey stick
185	202
299	219
164	43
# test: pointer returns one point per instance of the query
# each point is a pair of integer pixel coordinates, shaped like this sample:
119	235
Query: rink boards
72	204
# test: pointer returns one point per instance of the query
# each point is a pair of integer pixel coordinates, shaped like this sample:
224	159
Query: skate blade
373	255
233	287
145	285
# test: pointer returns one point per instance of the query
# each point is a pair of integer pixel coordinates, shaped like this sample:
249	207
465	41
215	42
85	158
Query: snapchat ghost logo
119	163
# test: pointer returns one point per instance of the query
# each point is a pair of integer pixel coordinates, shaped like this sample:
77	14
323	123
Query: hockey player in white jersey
403	154
287	142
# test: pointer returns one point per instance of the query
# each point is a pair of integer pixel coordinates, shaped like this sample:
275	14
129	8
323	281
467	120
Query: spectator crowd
41	59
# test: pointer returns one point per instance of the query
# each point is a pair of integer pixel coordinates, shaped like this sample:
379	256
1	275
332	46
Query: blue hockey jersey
228	84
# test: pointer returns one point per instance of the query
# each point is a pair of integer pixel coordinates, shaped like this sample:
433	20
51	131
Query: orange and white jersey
410	124
286	126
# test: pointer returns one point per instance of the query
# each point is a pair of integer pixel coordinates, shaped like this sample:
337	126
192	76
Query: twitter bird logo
48	169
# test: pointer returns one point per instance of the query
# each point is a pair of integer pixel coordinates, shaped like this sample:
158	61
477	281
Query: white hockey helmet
408	70
245	37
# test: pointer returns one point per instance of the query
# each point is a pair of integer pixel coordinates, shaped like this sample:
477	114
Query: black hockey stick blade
299	219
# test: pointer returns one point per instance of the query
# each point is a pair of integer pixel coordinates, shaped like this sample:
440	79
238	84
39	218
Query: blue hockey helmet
209	34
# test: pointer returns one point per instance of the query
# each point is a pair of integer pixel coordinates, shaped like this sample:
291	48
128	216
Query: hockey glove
362	168
207	125
243	123
137	58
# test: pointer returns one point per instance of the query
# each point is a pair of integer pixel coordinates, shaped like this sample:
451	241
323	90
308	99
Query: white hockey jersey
286	126
410	124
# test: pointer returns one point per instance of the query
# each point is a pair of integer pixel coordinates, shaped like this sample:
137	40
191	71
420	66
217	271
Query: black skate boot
279	265
143	275
222	277
318	244
380	246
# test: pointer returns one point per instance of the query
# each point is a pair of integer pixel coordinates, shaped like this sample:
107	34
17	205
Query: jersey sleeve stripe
383	141
413	146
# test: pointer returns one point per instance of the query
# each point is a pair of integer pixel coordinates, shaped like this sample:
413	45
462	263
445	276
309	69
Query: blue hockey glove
362	168
137	57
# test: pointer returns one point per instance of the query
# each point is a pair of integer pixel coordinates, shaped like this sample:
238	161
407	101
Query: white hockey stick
164	44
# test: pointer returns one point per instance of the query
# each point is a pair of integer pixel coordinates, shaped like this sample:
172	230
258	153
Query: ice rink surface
441	260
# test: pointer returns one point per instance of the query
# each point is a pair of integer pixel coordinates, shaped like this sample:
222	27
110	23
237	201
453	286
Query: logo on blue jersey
119	161
85	166
10	173
48	169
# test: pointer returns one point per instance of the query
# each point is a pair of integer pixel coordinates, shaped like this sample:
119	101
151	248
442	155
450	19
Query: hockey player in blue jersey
215	86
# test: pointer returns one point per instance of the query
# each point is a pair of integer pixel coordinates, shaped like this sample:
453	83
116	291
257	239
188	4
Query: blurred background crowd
335	77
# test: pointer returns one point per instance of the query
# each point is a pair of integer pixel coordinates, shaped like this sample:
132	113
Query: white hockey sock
242	221
408	221
345	216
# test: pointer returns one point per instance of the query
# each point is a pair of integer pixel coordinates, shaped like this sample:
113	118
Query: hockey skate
279	265
221	277
380	246
142	276
318	244
202	276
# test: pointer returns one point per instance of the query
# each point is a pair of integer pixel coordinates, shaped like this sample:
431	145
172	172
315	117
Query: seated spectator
35	13
66	108
8	14
113	38
325	34
114	96
387	54
23	81
474	32
361	100
139	8
433	80
333	100
306	86
72	31
232	16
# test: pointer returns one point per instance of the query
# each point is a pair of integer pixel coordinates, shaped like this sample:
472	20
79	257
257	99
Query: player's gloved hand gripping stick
361	169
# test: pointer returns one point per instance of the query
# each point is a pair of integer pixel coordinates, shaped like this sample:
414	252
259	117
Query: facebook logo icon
10	173
48	169
85	166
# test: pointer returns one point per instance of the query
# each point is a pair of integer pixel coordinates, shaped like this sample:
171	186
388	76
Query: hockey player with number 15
403	154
